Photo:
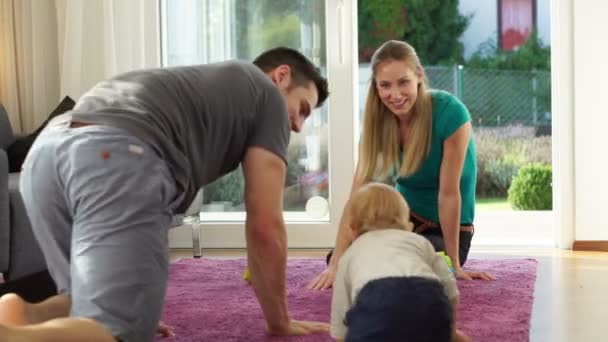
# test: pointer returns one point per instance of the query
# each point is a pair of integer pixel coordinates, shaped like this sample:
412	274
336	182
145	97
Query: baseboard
590	245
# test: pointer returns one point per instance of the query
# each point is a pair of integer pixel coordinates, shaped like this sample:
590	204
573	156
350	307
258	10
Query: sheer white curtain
29	75
50	49
100	38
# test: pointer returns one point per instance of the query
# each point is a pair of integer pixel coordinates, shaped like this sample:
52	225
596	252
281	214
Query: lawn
492	204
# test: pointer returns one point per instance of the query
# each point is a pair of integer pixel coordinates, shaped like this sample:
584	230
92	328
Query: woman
423	139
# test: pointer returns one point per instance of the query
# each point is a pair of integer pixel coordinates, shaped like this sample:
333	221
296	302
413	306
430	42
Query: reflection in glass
207	31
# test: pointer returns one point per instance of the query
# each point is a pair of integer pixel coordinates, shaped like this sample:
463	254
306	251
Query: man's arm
265	231
454	151
267	241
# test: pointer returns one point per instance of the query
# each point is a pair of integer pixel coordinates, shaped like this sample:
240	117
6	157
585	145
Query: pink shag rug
207	300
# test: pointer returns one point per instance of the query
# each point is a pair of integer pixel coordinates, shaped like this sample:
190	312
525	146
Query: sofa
20	254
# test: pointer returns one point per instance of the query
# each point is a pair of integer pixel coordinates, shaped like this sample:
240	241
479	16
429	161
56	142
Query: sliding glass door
321	158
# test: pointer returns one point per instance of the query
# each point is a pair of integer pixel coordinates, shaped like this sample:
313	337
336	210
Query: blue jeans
396	309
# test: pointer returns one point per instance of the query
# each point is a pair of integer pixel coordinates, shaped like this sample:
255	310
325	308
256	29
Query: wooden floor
571	294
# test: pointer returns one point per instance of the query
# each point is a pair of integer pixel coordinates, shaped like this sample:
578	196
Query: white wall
580	121
543	20
484	24
590	118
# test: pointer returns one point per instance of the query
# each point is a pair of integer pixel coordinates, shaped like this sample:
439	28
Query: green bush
432	27
500	154
229	188
532	55
498	176
295	152
531	189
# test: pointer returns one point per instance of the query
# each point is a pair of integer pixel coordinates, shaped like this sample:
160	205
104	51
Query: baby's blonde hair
378	206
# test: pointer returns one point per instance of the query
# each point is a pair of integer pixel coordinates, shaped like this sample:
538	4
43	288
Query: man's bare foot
13	310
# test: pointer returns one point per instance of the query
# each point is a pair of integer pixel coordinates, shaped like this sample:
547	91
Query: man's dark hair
302	70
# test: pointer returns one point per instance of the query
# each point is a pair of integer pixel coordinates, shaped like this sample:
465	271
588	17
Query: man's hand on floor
164	330
301	328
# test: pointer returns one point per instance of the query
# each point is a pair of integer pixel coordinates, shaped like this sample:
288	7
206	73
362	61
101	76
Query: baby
390	284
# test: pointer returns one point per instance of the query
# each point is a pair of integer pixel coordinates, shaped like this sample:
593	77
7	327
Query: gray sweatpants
100	202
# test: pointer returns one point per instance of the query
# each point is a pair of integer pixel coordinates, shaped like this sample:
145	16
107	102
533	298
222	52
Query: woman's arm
454	151
343	240
344	237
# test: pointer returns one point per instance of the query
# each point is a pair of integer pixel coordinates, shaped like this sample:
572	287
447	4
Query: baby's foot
10	335
459	336
13	310
164	330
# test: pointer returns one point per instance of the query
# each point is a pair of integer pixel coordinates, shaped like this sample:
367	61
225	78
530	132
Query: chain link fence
498	98
495	98
511	113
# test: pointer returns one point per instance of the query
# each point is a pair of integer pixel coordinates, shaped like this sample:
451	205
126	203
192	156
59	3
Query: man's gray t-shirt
200	119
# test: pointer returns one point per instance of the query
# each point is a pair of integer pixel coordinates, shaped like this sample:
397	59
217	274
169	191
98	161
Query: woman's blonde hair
378	206
379	149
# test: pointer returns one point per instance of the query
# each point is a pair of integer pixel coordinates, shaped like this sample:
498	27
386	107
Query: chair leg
195	222
196	239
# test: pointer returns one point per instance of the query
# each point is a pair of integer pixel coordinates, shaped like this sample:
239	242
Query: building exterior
514	19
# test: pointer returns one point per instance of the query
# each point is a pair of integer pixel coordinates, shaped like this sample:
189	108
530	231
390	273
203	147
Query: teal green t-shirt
421	189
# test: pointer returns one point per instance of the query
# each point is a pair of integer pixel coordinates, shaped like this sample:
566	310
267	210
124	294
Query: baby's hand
459	336
164	330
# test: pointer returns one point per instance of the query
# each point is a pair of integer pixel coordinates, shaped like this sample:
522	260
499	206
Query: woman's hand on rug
164	330
300	328
323	281
459	336
460	273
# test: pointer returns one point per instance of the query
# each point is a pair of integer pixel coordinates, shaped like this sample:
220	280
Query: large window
505	84
321	158
206	31
509	100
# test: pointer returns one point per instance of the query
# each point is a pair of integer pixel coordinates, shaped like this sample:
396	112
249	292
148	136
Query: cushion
19	149
6	131
13	183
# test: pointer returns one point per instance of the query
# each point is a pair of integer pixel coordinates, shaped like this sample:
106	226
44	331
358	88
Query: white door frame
556	228
562	106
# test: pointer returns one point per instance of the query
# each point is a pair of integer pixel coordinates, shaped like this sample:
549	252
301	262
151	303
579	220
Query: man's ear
281	76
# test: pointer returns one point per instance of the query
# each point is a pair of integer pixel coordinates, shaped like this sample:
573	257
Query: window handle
340	8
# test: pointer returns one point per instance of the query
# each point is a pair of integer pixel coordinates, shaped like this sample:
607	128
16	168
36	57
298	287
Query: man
102	182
